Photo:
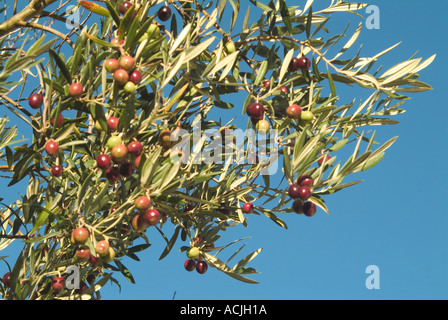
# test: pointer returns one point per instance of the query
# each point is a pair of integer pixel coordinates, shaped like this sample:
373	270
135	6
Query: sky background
396	219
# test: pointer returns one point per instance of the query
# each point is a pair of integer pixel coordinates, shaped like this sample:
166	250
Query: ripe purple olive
58	284
115	42
135	148
309	209
297	206
52	148
255	110
322	159
75	90
139	223
94	261
6	280
126	169
113	174
201	267
83	254
304	192
190	265
102	247
294	65
119	153
127	63
121	76
112	123
82	288
284	89
164	13
294	111
142	203
266	84
91	278
112	65
60	121
305	180
57	171
137	161
304	63
152	216
124	7
124	230
103	161
248	207
294	191
135	77
43	248
35	100
80	235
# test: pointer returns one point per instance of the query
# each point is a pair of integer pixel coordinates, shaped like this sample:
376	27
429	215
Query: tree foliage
192	66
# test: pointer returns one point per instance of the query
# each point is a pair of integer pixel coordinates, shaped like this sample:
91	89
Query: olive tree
121	130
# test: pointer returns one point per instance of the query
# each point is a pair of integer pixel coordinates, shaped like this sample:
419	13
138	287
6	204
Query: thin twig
47	29
30	11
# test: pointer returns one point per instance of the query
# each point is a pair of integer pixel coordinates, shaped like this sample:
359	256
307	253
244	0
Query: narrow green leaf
41	220
194	51
261	6
221	7
338	145
170	243
61	64
261	73
100	42
139	247
218	264
371	162
125	271
45	236
183	34
331	82
243	262
126	22
180	61
285	65
320	203
113	13
309	21
236	8
97	112
95	8
284	11
150	166
342	186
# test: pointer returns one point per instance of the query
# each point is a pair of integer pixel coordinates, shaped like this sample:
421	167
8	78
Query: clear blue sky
396	219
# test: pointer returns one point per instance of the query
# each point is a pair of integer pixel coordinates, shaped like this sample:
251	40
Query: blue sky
396	219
